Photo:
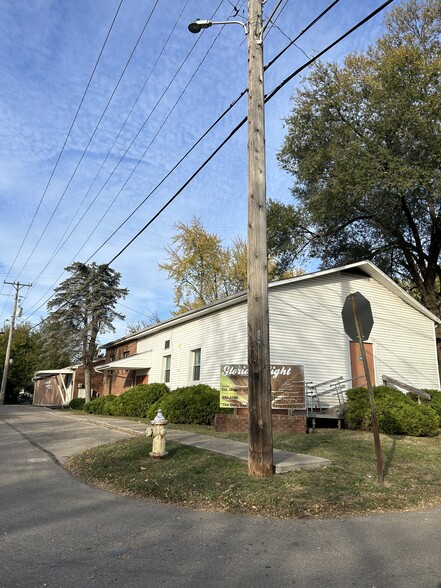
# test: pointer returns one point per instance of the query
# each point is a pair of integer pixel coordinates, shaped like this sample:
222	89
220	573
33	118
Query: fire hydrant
157	431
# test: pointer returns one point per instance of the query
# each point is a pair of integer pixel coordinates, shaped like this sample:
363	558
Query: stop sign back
357	309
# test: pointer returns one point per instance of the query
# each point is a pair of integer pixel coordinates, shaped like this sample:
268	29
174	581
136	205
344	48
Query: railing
389	381
333	387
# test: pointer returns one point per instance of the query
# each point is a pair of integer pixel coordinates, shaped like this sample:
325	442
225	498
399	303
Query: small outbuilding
56	388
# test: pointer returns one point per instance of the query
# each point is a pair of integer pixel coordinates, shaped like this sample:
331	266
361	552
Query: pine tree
82	308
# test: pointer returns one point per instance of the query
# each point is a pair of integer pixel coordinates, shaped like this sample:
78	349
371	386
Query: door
142	379
357	367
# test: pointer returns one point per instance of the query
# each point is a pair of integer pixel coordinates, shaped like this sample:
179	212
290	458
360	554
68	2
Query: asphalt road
57	532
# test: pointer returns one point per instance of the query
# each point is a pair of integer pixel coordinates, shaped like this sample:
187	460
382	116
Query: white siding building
305	329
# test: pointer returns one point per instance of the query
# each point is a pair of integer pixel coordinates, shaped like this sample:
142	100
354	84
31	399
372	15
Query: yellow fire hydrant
157	431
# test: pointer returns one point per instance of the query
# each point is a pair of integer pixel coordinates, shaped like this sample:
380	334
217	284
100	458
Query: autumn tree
202	269
363	144
83	307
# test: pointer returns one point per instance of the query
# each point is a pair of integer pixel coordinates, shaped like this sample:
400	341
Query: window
196	364
167	366
112	358
167	344
126	353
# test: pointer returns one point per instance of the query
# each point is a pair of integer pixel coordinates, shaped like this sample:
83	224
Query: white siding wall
308	317
220	336
306	329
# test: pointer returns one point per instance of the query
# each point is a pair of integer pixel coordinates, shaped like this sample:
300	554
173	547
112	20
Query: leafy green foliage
364	146
26	353
104	405
135	402
397	413
195	405
76	403
435	401
202	269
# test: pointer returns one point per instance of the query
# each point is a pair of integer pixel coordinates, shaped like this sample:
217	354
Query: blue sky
172	89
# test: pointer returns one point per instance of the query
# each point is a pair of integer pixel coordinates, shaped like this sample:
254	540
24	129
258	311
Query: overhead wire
83	154
64	239
267	98
132	142
68	135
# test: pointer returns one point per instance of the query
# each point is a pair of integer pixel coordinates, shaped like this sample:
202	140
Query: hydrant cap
159	418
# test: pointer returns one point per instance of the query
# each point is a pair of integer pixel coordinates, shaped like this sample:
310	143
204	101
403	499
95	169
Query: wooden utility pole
17	287
260	452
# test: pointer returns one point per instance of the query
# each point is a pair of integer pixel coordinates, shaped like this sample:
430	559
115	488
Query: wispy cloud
47	52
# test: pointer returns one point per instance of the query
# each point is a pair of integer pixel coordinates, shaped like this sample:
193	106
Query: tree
203	270
152	319
25	356
364	147
287	237
83	307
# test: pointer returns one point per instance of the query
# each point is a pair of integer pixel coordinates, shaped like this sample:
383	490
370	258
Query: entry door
142	379
357	367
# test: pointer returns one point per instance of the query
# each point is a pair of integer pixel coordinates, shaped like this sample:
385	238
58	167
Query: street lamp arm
197	25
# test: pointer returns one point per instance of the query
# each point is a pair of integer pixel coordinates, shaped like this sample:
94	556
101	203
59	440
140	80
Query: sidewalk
284	461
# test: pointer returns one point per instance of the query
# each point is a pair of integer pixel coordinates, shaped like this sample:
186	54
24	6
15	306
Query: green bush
76	403
137	400
134	402
102	405
435	401
397	413
196	405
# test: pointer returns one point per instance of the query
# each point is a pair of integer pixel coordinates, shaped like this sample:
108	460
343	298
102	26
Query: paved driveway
57	532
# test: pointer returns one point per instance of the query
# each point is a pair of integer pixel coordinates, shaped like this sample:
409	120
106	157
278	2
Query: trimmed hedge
196	405
134	402
76	403
397	413
435	401
101	405
137	401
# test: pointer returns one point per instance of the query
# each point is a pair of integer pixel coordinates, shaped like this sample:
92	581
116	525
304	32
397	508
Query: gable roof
363	267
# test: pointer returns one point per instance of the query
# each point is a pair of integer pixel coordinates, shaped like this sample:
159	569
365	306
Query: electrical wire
267	98
64	239
68	133
83	154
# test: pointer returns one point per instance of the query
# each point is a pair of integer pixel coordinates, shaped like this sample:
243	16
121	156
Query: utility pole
260	450
17	287
260	437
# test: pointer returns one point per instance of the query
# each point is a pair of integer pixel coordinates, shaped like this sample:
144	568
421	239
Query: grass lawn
207	481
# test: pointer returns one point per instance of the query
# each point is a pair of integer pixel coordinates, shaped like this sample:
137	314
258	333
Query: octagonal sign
357	307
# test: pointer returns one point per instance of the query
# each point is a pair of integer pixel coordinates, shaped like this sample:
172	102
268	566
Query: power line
68	133
90	139
268	97
128	148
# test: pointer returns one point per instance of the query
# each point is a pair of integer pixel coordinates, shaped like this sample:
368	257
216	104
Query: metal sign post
358	322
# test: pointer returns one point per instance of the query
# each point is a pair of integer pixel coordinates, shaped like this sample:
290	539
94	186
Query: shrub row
192	404
397	413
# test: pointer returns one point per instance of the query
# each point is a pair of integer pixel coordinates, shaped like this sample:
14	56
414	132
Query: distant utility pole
260	451
17	287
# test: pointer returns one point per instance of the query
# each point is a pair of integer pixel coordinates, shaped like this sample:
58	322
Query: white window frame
167	369
196	354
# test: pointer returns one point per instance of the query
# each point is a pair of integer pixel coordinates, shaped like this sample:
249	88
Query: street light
260	440
197	25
